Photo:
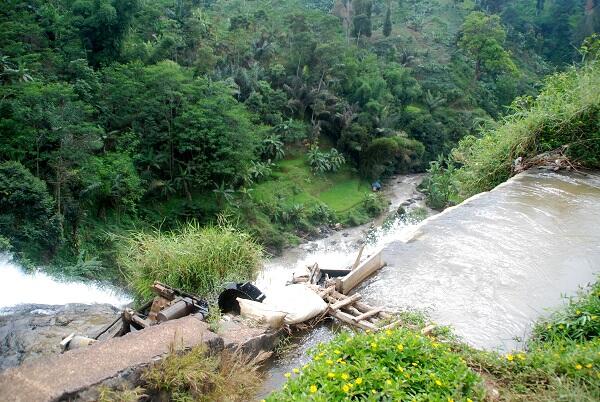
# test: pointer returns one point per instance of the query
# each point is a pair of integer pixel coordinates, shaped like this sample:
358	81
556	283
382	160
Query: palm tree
272	148
223	194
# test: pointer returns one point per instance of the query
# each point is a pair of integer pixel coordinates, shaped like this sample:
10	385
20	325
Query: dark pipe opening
227	298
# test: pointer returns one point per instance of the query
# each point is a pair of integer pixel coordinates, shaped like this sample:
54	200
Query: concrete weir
76	374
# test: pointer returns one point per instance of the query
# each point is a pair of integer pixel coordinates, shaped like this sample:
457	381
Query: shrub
565	114
439	185
321	214
378	157
321	162
27	216
578	321
394	365
374	204
195	259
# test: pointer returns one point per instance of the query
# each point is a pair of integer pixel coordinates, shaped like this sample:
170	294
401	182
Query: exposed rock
31	331
72	375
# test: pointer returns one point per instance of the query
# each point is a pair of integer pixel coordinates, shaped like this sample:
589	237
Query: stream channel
488	267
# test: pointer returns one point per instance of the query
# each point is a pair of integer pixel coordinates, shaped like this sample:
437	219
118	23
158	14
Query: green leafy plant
393	365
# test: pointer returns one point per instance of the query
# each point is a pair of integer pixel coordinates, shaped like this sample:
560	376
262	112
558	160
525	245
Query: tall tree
362	25
387	25
482	38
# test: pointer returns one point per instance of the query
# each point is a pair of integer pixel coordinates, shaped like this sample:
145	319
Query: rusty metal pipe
181	308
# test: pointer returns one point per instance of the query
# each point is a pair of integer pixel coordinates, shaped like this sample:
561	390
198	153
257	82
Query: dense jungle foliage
560	128
130	114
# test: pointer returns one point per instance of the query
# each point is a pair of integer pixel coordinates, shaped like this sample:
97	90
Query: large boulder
30	331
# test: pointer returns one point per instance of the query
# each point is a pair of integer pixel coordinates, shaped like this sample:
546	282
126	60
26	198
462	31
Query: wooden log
362	307
326	292
315	274
345	302
347	318
367	314
389	326
357	261
428	329
360	273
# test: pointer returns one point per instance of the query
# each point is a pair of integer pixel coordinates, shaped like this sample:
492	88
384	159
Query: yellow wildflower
509	357
388	382
435	344
521	356
406	375
578	366
345	376
305	367
331	375
400	347
589	365
450	399
388	332
345	388
373	391
414	363
578	312
401	369
373	345
358	381
469	400
438	383
287	375
329	361
313	389
337	352
295	370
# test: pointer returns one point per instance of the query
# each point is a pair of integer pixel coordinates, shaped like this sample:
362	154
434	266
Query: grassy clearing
196	259
294	183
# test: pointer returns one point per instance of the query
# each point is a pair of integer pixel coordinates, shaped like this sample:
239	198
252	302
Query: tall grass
194	258
565	113
199	376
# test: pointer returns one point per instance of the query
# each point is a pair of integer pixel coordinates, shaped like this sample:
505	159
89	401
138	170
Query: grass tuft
199	376
195	259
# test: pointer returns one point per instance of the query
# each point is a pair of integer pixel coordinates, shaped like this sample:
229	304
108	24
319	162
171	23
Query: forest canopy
118	114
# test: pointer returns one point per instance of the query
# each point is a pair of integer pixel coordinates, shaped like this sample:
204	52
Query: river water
489	267
20	287
494	264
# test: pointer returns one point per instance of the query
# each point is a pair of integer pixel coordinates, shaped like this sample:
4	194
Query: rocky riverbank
31	331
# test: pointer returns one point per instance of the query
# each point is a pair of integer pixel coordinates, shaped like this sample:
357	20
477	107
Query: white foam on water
19	287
